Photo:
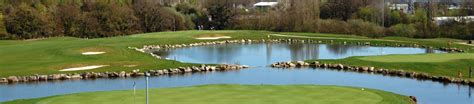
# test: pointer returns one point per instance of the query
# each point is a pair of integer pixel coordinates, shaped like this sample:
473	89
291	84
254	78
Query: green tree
404	30
370	14
153	17
220	16
342	9
26	22
69	18
395	17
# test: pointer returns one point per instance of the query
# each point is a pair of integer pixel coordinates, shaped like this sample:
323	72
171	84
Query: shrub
333	26
454	29
360	27
370	14
404	30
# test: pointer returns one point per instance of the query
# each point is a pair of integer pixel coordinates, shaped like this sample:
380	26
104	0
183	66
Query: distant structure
411	7
408	6
264	5
442	20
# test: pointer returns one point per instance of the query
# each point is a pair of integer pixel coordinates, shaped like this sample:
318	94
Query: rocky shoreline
148	48
368	69
122	74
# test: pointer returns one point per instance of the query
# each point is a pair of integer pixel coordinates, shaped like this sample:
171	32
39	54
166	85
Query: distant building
408	6
450	2
401	7
443	20
263	5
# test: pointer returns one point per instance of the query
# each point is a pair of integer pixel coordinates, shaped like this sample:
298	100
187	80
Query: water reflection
265	54
303	51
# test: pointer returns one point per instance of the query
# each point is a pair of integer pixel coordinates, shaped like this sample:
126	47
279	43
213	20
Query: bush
360	27
403	30
370	14
356	27
454	29
333	26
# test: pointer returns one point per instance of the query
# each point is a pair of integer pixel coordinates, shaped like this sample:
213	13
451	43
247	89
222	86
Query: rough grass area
232	94
48	56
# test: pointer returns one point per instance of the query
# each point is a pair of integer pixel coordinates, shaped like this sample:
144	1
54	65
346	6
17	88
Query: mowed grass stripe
232	94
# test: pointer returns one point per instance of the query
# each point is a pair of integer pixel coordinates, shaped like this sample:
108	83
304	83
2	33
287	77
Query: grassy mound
232	94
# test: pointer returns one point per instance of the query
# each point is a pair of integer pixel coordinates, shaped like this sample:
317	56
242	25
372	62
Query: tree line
363	17
25	19
89	18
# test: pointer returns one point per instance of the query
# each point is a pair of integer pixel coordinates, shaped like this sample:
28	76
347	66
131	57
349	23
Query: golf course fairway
231	94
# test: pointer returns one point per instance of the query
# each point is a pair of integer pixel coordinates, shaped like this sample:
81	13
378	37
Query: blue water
259	56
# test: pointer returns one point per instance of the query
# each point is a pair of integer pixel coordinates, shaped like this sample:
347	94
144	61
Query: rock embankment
369	69
148	48
122	74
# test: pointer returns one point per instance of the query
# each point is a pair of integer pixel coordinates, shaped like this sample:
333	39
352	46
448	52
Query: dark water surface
259	56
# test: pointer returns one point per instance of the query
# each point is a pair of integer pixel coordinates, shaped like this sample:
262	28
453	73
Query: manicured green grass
434	64
232	94
48	56
421	58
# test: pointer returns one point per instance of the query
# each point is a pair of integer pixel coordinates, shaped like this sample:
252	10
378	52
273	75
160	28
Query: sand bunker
84	68
130	66
214	38
92	53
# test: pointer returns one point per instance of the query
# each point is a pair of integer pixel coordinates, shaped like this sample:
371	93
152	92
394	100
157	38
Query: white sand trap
214	38
84	68
92	53
130	66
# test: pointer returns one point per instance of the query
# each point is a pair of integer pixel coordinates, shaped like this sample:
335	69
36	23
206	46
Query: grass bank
434	64
48	56
232	94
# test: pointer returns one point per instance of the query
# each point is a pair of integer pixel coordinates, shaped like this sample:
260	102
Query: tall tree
68	19
342	9
220	13
27	22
